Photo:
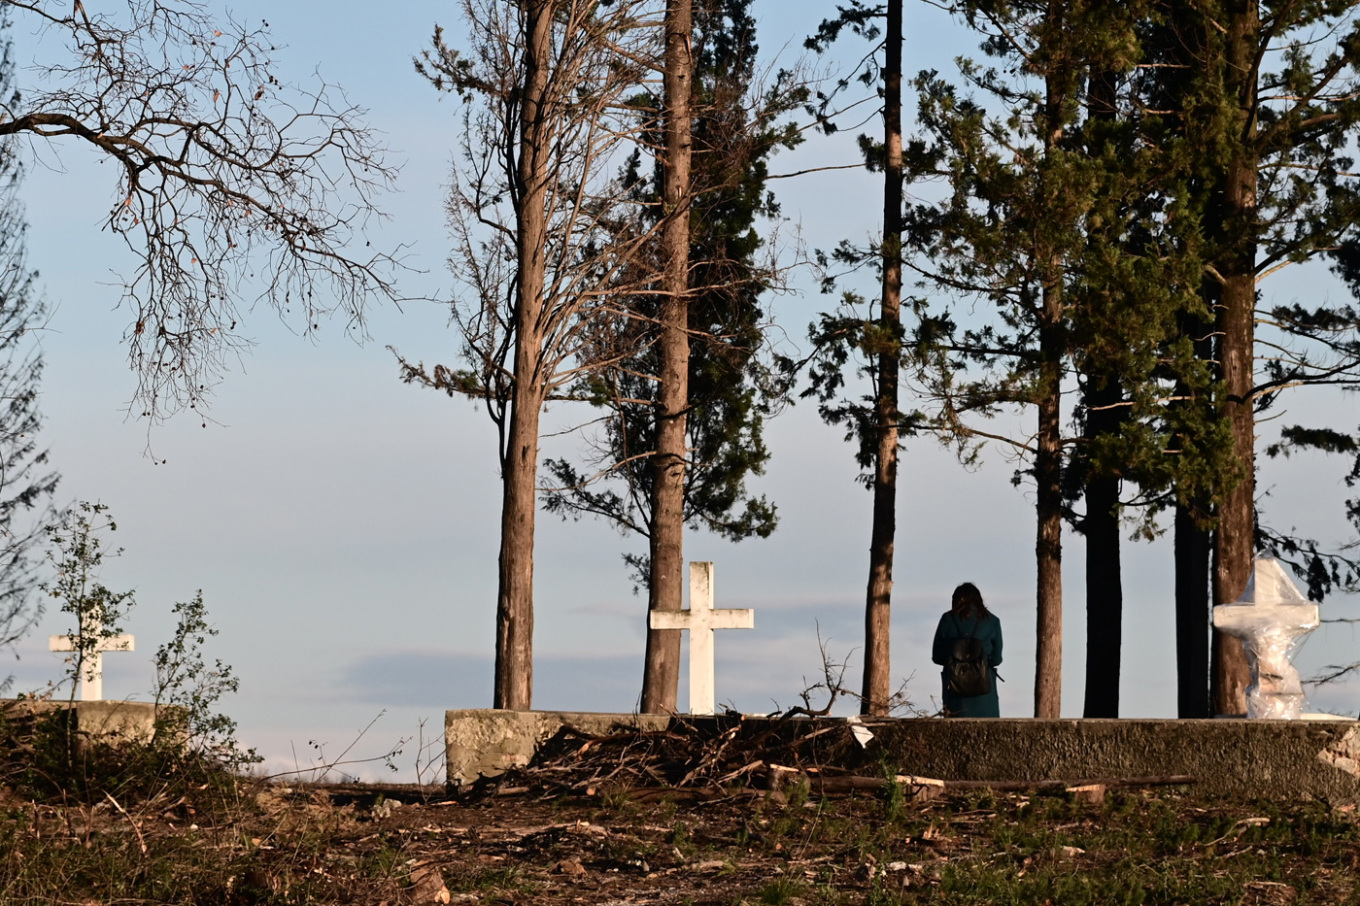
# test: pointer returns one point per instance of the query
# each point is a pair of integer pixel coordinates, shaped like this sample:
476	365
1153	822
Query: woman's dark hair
967	602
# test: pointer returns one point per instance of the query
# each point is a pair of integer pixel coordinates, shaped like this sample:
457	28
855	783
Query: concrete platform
101	721
1265	759
486	742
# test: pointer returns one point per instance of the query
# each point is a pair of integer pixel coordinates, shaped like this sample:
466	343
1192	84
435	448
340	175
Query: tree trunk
1194	545
1104	581
514	683
1234	538
1048	547
1193	628
1048	442
514	679
1101	403
661	674
877	688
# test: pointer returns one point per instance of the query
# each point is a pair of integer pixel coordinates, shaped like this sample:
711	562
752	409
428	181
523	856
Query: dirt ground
386	846
395	845
636	818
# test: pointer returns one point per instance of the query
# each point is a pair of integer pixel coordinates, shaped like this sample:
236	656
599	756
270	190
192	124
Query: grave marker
1270	616
701	619
92	676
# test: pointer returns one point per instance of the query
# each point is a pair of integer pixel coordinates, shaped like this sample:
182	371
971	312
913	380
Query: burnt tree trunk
877	687
661	674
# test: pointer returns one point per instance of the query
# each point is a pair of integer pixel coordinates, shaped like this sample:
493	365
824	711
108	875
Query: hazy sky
343	526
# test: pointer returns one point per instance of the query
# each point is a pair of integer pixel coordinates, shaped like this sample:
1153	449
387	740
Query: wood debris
731	758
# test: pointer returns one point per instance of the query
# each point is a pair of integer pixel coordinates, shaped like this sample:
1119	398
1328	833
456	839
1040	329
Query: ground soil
397	845
636	819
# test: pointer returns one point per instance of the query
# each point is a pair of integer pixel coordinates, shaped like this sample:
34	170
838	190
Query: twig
141	841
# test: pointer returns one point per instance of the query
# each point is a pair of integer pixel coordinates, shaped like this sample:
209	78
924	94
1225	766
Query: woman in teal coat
969	617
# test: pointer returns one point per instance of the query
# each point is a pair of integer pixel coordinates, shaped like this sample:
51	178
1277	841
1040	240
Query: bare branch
230	182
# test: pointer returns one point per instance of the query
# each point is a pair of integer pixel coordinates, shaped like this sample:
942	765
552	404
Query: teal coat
988	632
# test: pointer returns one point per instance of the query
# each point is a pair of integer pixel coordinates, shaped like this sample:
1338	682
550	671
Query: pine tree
1136	289
1011	231
1269	164
1062	213
1102	413
734	135
1170	446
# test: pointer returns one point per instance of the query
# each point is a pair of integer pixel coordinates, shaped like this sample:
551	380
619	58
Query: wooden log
929	787
916	789
1088	792
1007	786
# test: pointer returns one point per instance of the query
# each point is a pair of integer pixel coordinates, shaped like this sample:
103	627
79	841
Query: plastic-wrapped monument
1270	619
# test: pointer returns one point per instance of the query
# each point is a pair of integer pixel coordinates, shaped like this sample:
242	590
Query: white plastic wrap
1270	620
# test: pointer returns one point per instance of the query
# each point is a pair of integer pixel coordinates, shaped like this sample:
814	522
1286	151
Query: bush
193	750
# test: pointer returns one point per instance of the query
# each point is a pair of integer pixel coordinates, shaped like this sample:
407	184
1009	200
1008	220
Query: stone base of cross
1271	615
700	620
92	672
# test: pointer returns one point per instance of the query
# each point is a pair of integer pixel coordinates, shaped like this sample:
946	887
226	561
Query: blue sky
342	525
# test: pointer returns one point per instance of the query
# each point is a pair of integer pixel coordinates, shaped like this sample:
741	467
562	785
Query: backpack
967	674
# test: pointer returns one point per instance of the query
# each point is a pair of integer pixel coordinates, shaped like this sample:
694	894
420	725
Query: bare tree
545	241
26	480
229	181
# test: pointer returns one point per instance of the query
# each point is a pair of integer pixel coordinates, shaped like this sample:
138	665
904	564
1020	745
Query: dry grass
193	835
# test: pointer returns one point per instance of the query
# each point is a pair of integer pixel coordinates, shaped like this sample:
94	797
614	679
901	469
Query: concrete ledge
1268	759
102	721
484	742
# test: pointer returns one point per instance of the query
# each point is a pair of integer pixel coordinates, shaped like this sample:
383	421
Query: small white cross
701	619
92	676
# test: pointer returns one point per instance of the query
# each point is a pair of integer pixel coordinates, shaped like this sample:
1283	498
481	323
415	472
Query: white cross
1271	615
701	619
92	676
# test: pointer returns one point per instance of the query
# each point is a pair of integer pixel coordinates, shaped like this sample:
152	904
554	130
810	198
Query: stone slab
102	721
485	742
1253	759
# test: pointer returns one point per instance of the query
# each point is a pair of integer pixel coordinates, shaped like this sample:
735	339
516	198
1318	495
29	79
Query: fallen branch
1044	786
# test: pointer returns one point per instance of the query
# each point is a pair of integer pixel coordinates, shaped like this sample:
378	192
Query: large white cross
92	674
701	619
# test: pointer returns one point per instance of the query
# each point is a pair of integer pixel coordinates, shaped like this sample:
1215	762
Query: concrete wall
487	742
1249	758
104	721
1244	758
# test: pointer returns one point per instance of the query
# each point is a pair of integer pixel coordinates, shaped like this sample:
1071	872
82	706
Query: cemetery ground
147	826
